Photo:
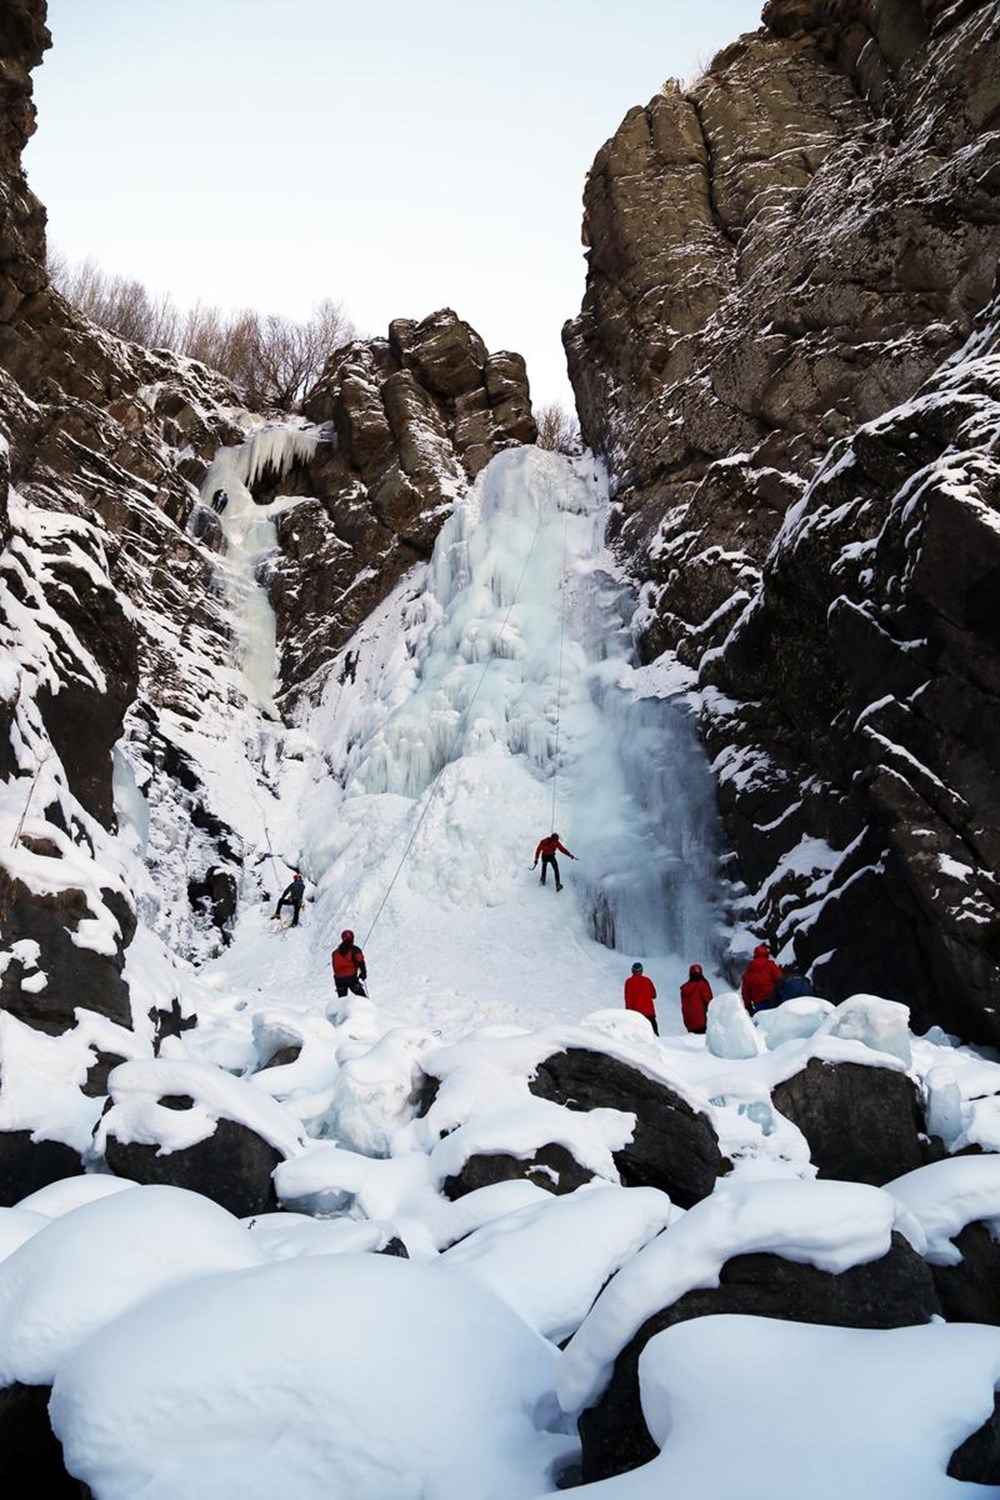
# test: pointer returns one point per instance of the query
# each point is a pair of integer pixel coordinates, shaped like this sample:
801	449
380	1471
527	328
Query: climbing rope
559	675
457	735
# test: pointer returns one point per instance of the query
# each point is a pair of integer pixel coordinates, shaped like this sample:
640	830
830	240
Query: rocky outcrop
781	257
673	1147
412	419
232	1166
551	1167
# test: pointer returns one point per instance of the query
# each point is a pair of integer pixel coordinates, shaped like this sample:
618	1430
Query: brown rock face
23	39
786	252
413	418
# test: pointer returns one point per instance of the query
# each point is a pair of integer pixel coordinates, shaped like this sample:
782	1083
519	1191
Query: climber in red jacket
640	992
696	992
759	979
348	963
547	849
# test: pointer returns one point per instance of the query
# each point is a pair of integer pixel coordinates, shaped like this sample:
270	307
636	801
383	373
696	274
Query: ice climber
349	969
292	896
547	849
640	992
219	501
759	979
696	992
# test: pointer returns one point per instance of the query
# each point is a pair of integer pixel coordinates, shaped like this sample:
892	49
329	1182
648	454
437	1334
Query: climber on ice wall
291	896
547	848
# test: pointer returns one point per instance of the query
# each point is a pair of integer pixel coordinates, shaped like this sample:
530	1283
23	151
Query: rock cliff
121	673
787	352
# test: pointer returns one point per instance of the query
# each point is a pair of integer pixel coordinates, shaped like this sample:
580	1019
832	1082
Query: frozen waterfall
250	536
495	685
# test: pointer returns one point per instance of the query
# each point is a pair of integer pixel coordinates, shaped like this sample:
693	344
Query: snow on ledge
136	1116
945	1196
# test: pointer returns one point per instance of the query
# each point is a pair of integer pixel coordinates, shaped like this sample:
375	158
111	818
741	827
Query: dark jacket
791	986
295	891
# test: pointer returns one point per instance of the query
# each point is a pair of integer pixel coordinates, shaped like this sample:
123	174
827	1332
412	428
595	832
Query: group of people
764	985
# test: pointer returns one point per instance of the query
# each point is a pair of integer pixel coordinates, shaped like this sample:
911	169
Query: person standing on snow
696	992
640	992
547	849
759	979
291	896
348	964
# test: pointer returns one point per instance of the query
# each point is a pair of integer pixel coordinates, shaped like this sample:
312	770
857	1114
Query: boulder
674	1147
31	1456
893	1292
863	1124
551	1167
970	1291
27	1165
232	1166
977	1460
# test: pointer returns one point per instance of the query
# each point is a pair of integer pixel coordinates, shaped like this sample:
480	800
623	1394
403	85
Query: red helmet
347	936
695	969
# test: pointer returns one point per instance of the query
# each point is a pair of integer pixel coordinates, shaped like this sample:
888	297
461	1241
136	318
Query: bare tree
557	429
272	359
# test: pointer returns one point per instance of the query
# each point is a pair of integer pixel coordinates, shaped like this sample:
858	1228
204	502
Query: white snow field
194	1356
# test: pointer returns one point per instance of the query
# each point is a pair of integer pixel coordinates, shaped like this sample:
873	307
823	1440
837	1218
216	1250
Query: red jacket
759	978
550	845
640	993
695	995
347	960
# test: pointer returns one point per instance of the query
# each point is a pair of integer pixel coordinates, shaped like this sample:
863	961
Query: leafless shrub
272	359
558	430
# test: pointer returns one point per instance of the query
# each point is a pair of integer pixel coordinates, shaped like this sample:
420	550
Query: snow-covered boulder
549	1261
191	1125
863	1124
957	1203
808	1252
744	1406
344	1377
673	1146
82	1270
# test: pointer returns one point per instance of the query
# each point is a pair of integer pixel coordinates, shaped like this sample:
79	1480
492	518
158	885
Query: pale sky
398	157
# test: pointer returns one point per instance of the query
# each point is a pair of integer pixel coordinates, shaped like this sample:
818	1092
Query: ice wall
496	686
